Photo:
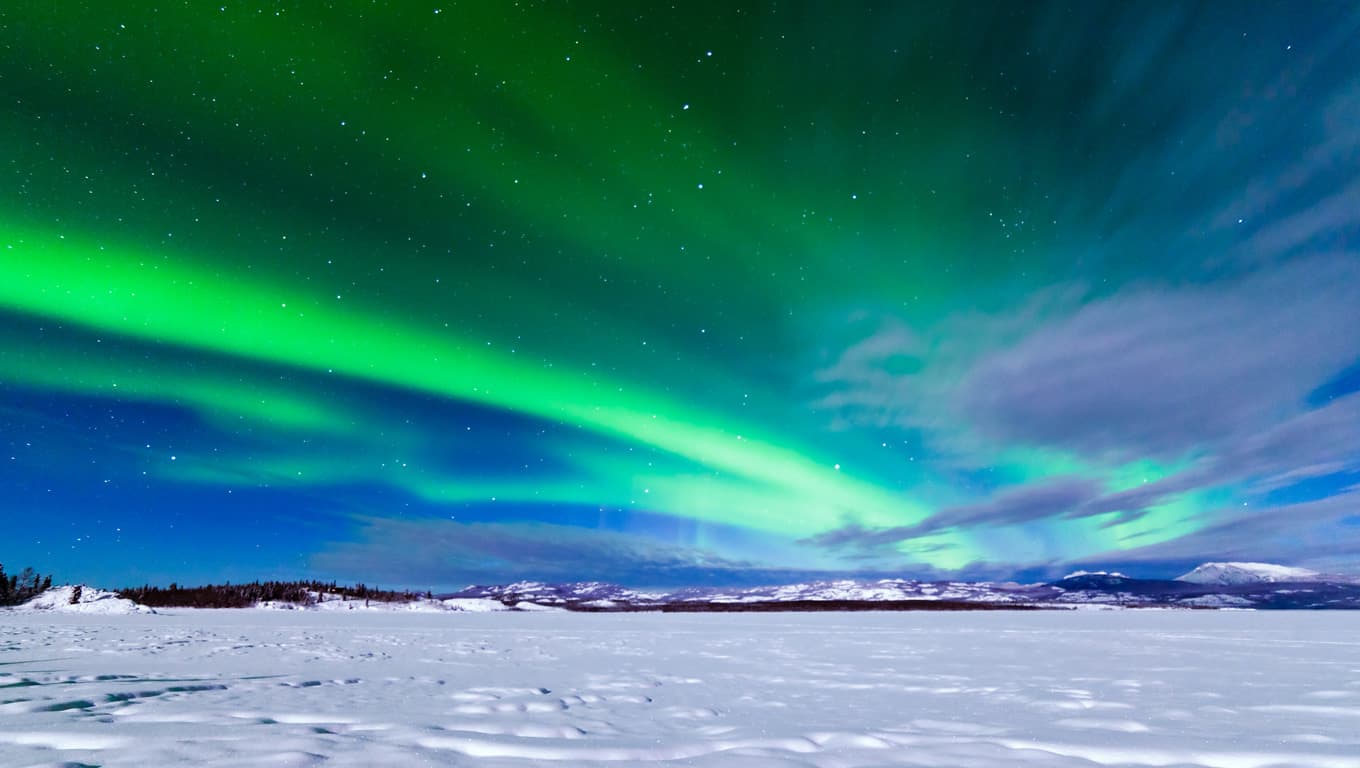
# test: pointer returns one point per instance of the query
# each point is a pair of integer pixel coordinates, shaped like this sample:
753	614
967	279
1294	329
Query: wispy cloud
444	554
1013	506
1162	372
1214	376
1313	533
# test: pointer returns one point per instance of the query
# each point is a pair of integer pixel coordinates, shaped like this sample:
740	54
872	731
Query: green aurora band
775	489
162	302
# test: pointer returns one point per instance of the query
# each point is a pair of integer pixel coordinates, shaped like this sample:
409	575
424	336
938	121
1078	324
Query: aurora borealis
429	294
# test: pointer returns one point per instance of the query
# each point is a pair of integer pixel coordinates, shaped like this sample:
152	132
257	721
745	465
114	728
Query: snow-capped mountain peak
1246	573
1111	574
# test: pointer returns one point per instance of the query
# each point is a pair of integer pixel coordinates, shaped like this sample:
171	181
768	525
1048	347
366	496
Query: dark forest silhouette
246	595
22	586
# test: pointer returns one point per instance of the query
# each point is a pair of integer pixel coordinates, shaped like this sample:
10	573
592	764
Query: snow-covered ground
360	688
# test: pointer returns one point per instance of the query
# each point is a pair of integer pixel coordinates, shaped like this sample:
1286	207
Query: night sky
430	294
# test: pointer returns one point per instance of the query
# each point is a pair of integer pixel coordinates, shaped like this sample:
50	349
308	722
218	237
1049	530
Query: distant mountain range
1212	585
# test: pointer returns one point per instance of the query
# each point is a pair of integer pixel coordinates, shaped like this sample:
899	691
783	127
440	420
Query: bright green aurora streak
105	289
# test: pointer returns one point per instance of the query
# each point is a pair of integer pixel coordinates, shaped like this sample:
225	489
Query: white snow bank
474	605
527	606
94	601
338	603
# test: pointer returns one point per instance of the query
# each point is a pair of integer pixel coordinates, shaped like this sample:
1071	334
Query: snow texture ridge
1049	689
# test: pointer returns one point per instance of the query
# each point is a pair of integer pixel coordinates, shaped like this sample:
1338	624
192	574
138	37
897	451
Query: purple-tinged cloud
1163	372
1316	443
1312	534
445	554
1022	504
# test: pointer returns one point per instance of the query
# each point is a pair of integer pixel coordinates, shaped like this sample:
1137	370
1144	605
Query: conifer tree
20	587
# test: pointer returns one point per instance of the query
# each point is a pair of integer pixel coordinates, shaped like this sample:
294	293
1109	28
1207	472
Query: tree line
246	595
22	586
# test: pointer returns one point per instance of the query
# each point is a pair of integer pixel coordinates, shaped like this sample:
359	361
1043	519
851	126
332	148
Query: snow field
294	688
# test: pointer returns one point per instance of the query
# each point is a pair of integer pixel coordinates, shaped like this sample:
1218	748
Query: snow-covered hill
96	601
1247	573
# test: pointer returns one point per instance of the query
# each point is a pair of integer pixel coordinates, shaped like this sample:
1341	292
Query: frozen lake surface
262	688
